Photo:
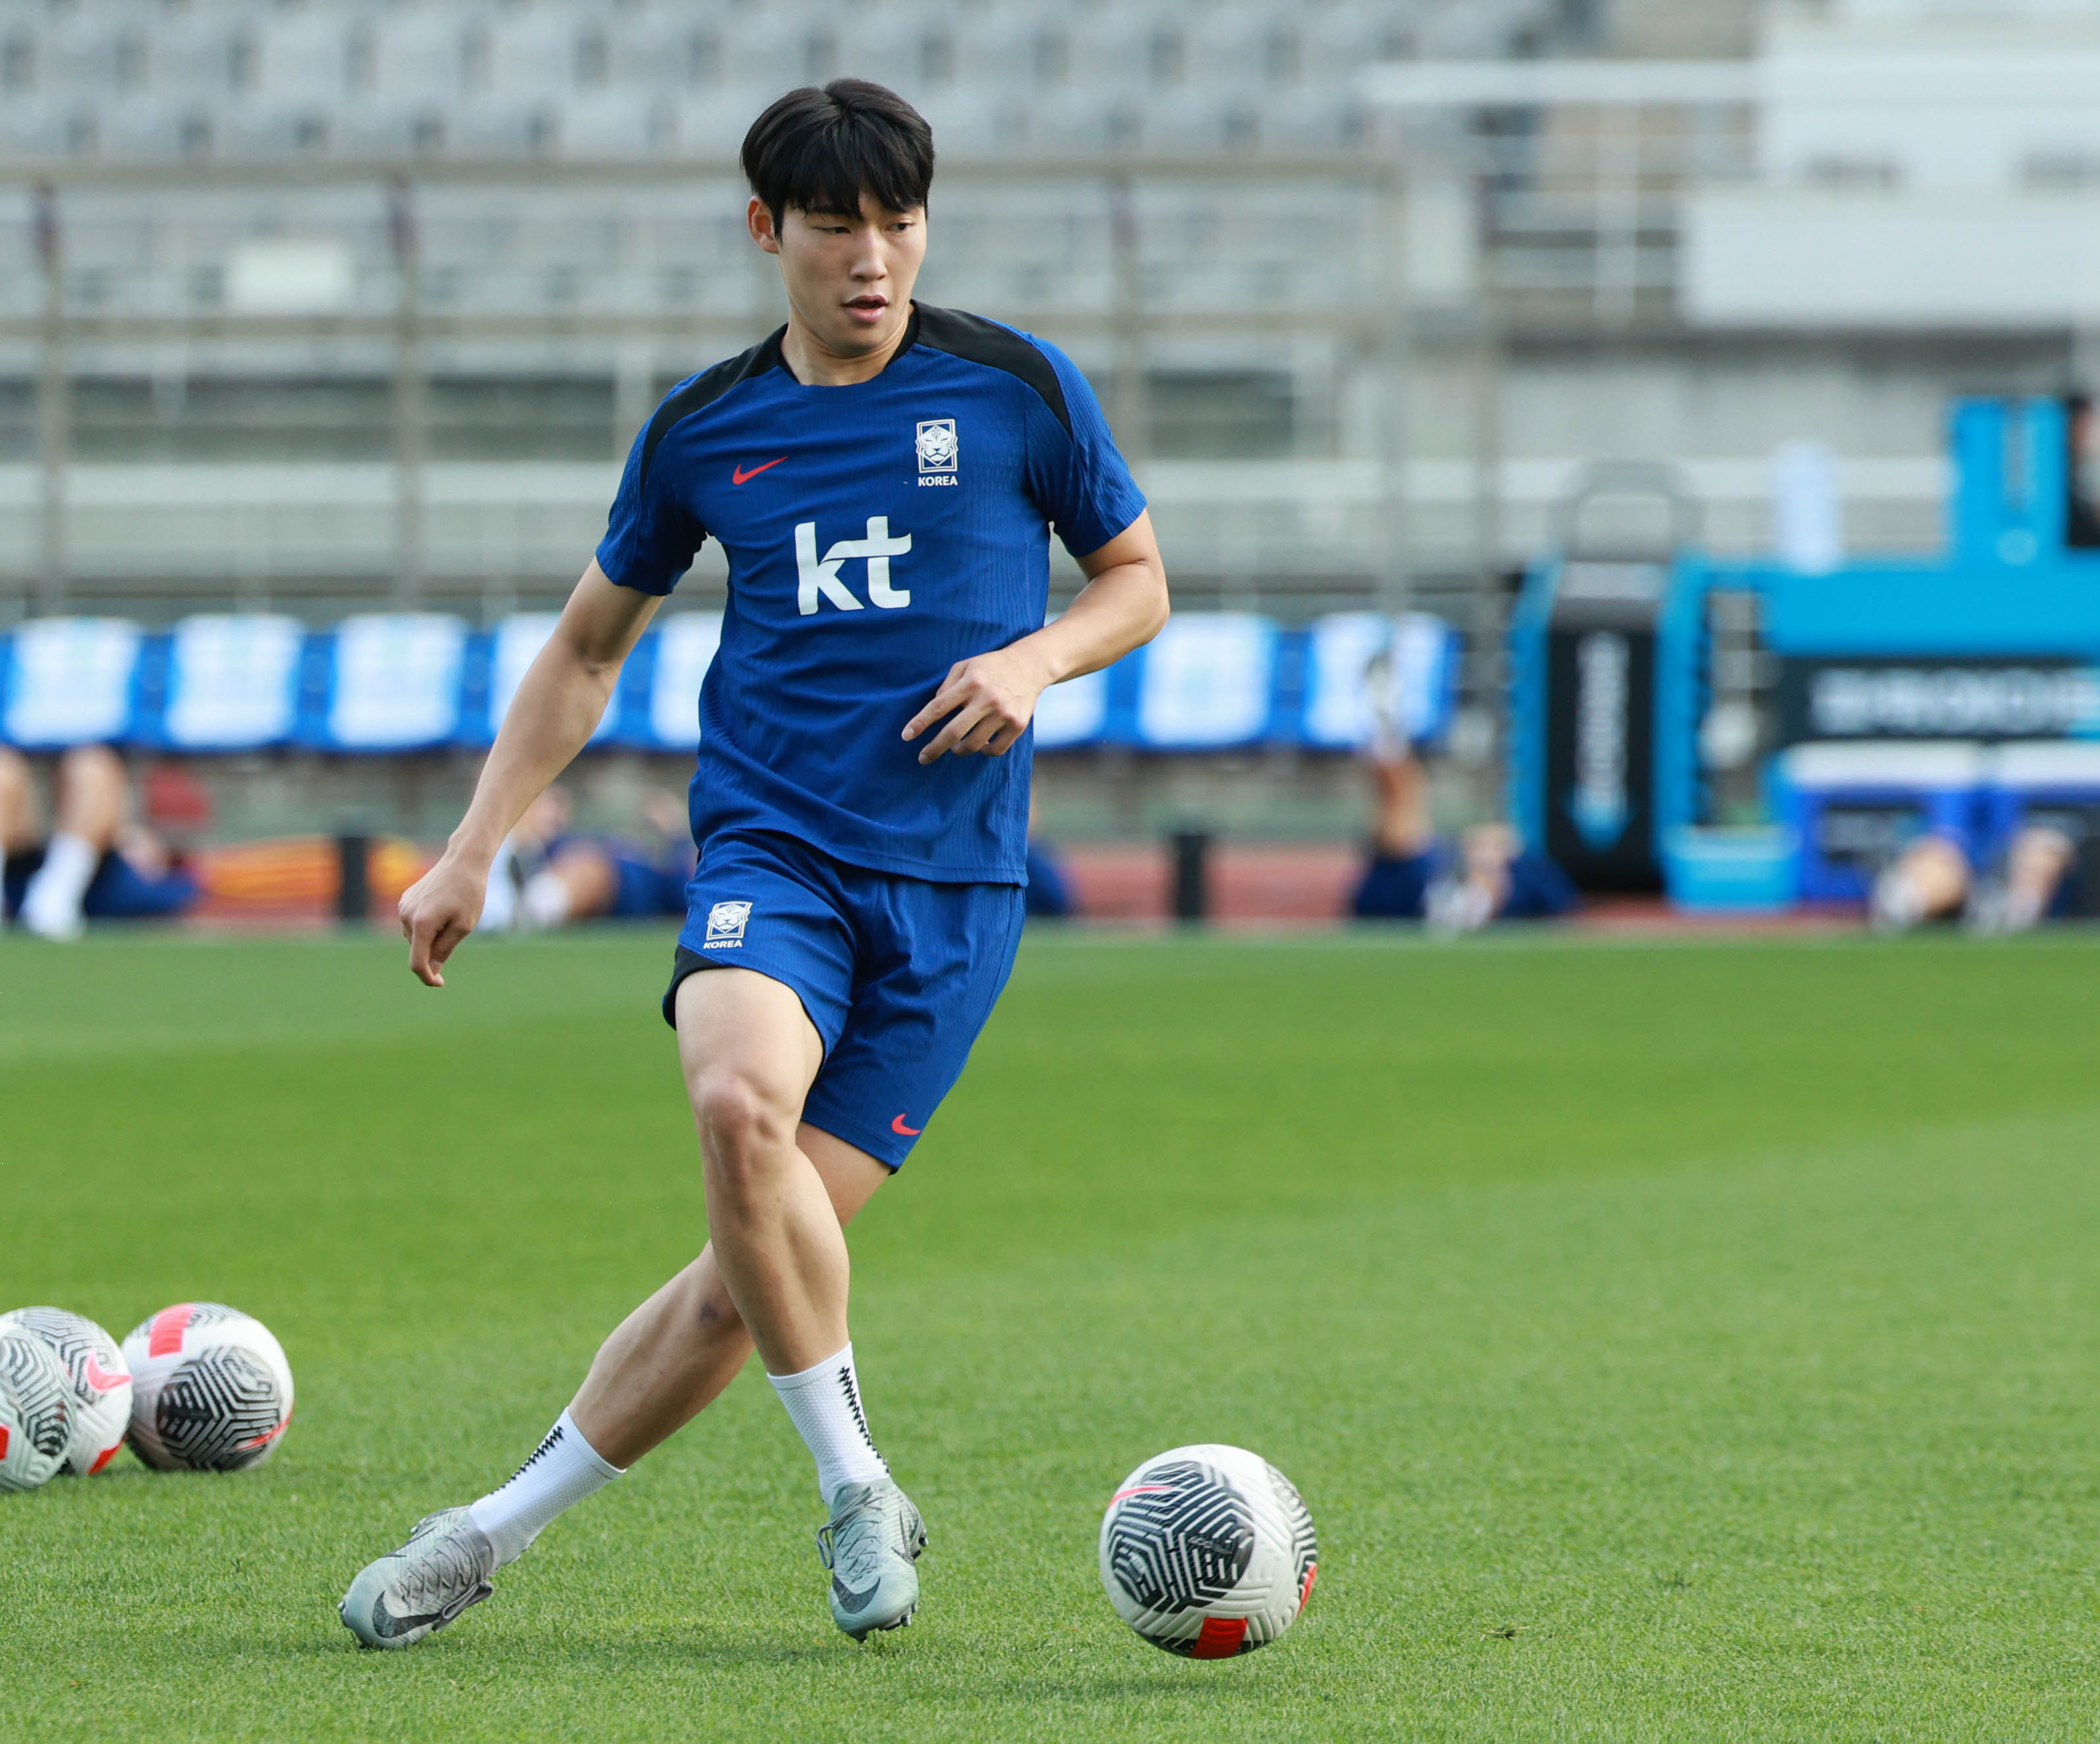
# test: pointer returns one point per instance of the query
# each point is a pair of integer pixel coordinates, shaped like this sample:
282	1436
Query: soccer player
545	877
1409	874
96	863
1936	878
883	476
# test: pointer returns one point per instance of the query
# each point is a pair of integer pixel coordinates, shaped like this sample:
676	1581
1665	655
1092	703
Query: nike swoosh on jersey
738	475
898	1126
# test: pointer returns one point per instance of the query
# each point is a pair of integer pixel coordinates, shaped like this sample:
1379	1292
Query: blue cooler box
1732	871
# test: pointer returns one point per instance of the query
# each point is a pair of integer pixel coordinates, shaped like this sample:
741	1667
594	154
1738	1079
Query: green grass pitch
1672	1341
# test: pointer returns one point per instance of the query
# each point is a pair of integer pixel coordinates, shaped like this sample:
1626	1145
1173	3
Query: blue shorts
897	975
118	891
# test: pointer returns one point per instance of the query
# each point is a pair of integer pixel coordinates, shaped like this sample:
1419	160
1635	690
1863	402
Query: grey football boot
874	1537
408	1593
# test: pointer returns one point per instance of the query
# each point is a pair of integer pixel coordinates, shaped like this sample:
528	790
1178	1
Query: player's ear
758	220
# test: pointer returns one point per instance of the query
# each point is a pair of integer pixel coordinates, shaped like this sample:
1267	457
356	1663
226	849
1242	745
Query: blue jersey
876	534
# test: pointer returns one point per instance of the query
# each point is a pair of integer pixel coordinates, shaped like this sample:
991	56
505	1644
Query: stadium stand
391	682
343	75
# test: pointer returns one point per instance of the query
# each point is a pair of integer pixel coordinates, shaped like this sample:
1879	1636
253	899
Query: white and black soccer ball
100	1377
1208	1552
211	1390
36	1411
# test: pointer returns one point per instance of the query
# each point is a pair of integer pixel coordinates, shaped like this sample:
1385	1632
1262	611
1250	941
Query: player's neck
815	364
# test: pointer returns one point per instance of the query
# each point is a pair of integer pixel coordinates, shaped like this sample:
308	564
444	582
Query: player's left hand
988	701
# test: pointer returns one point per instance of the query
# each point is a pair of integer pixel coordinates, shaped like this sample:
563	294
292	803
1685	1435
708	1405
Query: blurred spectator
1487	875
2081	521
545	877
1049	898
96	863
1934	879
1049	895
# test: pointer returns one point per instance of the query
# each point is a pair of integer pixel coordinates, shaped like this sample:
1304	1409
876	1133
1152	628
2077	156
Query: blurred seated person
545	877
1048	896
96	863
1934	879
1487	875
2081	521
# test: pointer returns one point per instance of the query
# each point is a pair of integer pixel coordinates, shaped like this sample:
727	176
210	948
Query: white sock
544	901
499	908
51	905
824	1402
562	1471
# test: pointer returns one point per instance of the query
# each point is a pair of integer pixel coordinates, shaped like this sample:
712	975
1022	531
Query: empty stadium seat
1415	676
395	683
684	646
516	643
1075	712
232	682
70	682
1207	682
391	682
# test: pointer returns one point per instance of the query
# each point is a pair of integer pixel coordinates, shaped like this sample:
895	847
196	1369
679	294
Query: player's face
849	276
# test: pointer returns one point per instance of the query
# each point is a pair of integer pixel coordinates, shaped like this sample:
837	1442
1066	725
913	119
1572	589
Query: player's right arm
556	709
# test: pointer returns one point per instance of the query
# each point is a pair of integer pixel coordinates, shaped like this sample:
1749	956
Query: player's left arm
988	700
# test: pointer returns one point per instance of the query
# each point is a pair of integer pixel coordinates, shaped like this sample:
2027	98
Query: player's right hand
438	911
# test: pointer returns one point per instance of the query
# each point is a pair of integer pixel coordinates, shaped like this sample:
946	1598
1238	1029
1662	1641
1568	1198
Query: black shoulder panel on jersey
983	341
705	389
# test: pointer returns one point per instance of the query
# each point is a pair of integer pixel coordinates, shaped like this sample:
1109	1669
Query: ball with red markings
1208	1552
211	1390
36	1411
100	1377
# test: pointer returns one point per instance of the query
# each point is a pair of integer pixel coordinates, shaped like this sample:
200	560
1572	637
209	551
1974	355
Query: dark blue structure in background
1996	641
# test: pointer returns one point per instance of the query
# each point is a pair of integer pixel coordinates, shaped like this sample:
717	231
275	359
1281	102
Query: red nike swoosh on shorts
898	1127
739	476
100	1379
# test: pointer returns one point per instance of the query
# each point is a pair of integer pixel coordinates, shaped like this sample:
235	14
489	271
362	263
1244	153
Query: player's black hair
820	151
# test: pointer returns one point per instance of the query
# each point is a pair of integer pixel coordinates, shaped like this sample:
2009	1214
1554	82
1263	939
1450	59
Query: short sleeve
650	537
1076	474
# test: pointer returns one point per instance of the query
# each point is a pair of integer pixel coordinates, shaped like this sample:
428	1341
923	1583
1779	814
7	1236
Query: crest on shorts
937	444
725	922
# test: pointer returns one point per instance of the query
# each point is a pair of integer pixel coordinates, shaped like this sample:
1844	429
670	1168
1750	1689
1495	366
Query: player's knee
742	1126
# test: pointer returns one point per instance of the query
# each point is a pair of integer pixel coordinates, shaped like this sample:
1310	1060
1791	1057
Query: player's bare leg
779	1193
18	803
750	1054
1929	881
667	1362
91	808
2040	858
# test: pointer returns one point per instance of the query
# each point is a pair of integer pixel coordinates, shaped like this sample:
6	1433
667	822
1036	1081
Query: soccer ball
212	1391
100	1377
36	1411
1208	1552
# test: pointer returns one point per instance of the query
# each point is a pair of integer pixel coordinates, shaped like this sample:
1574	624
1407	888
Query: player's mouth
868	310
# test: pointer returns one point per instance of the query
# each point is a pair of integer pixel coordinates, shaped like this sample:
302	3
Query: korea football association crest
939	451
726	924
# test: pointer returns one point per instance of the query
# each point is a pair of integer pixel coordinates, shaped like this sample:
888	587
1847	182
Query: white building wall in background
1922	165
1793	256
